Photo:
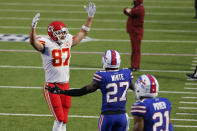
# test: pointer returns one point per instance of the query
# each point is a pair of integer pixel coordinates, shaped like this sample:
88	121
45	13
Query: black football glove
54	90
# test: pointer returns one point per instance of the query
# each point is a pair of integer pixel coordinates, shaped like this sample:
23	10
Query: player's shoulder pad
139	102
166	100
138	108
128	71
97	76
43	40
69	36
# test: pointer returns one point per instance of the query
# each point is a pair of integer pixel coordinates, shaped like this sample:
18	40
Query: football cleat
111	59
193	75
146	86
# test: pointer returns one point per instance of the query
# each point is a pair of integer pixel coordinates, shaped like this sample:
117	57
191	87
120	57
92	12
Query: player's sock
57	126
127	117
63	127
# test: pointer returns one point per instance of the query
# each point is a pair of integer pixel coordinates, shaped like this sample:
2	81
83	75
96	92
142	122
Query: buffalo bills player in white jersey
55	52
151	113
113	84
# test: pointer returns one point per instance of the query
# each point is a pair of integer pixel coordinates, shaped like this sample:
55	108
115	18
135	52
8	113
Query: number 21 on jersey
161	121
60	57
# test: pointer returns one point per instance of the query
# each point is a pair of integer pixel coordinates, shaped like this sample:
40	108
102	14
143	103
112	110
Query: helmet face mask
57	31
146	86
111	59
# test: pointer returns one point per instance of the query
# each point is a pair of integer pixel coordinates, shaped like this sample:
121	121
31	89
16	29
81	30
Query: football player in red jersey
55	52
135	29
113	83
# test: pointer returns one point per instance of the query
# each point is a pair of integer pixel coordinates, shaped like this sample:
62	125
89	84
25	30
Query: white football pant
57	126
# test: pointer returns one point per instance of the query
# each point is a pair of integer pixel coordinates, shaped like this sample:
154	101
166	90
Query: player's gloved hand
91	9
35	20
54	90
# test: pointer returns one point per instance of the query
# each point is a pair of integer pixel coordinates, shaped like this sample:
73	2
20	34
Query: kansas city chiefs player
113	83
55	52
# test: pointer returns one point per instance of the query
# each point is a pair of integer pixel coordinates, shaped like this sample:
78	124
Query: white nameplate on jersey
117	77
25	38
159	105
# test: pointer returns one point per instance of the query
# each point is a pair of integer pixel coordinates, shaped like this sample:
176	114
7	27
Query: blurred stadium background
169	51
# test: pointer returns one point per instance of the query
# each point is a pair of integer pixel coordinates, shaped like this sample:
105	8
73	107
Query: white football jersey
56	59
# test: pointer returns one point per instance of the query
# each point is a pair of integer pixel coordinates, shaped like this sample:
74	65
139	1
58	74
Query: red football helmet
57	31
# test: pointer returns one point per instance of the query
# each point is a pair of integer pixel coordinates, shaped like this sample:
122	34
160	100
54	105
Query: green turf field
169	51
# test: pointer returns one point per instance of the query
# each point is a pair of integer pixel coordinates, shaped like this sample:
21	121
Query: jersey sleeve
138	109
131	75
41	40
70	39
169	105
97	77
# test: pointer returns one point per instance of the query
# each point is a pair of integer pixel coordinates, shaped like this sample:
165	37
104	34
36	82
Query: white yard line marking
150	1
98	12
190	88
192	114
83	52
171	92
191	79
190	108
22	67
192	68
100	20
118	40
23	87
189	97
183	102
39	67
20	87
148	41
126	1
24	38
98	6
186	126
184	119
113	29
75	116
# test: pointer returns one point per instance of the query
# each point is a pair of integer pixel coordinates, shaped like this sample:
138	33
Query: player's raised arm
86	27
32	37
92	87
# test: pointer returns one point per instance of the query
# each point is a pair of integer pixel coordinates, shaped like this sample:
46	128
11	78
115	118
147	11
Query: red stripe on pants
58	104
